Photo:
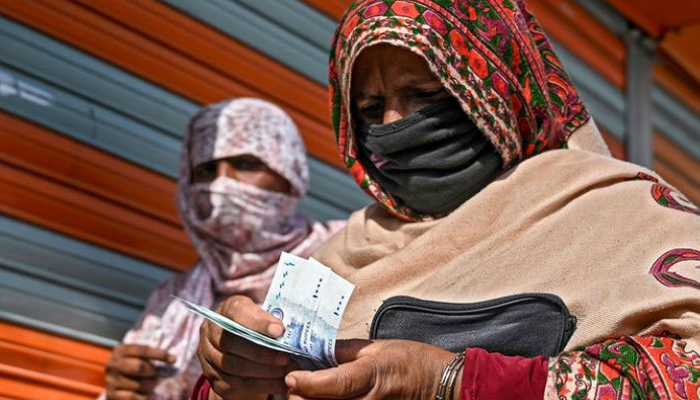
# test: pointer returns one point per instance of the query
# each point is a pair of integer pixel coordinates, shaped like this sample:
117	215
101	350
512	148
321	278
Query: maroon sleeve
493	376
201	389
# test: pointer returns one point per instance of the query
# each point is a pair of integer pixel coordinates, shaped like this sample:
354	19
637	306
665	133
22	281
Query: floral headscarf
492	55
234	128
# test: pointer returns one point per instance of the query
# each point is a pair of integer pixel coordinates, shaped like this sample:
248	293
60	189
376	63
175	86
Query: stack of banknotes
310	300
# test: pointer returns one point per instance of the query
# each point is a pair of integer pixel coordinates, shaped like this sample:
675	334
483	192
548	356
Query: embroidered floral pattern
646	177
668	197
490	54
646	367
674	199
661	269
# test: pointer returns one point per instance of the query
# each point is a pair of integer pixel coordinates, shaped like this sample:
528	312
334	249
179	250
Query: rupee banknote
309	299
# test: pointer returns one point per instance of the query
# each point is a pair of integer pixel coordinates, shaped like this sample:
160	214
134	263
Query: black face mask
432	160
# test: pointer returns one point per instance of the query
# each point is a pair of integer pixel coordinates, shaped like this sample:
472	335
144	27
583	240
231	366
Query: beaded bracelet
449	376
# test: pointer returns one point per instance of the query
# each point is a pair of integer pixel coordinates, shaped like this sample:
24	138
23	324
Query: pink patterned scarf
239	248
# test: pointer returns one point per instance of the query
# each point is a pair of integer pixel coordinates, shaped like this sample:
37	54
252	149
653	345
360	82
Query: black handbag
527	325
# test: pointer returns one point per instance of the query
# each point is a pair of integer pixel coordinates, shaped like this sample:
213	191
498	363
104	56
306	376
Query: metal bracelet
447	379
453	375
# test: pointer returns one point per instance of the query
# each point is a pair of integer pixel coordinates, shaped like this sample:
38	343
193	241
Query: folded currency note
309	299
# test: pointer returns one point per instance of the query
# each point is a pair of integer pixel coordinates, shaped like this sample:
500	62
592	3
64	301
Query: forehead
384	66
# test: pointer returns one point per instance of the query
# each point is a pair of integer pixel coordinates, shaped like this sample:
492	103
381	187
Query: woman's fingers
226	342
134	360
130	373
346	381
235	367
145	352
355	377
232	387
122	382
240	366
134	367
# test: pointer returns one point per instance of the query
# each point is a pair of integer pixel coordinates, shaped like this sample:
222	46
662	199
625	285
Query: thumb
350	350
347	381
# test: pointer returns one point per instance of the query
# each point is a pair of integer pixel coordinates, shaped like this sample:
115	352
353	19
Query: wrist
457	392
450	379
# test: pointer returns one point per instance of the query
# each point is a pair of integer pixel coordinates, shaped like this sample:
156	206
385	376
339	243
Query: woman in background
243	172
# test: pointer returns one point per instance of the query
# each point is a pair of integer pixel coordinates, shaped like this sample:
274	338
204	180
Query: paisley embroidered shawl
615	241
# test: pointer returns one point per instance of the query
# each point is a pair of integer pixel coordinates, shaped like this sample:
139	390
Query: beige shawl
620	249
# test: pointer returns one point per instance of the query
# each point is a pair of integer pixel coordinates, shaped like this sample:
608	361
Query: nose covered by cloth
241	215
432	160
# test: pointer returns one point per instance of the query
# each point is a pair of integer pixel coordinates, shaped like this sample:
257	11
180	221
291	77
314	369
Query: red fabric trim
493	376
200	391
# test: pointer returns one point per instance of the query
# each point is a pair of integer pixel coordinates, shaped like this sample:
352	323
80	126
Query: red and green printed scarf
492	55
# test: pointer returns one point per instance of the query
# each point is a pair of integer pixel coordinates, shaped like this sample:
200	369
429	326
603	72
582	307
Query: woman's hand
235	367
131	372
382	369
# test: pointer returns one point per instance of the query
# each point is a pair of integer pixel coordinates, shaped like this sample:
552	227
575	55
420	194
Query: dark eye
246	163
204	173
372	112
430	94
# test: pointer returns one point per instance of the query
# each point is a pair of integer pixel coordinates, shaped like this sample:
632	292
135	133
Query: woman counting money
508	255
243	172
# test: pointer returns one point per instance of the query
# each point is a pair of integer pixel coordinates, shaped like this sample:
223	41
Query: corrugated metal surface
60	284
191	59
45	366
607	104
288	31
671	116
677	121
63	285
64	185
91	101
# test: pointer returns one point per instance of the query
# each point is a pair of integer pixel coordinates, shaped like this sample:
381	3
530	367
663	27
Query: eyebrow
410	83
365	96
413	81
